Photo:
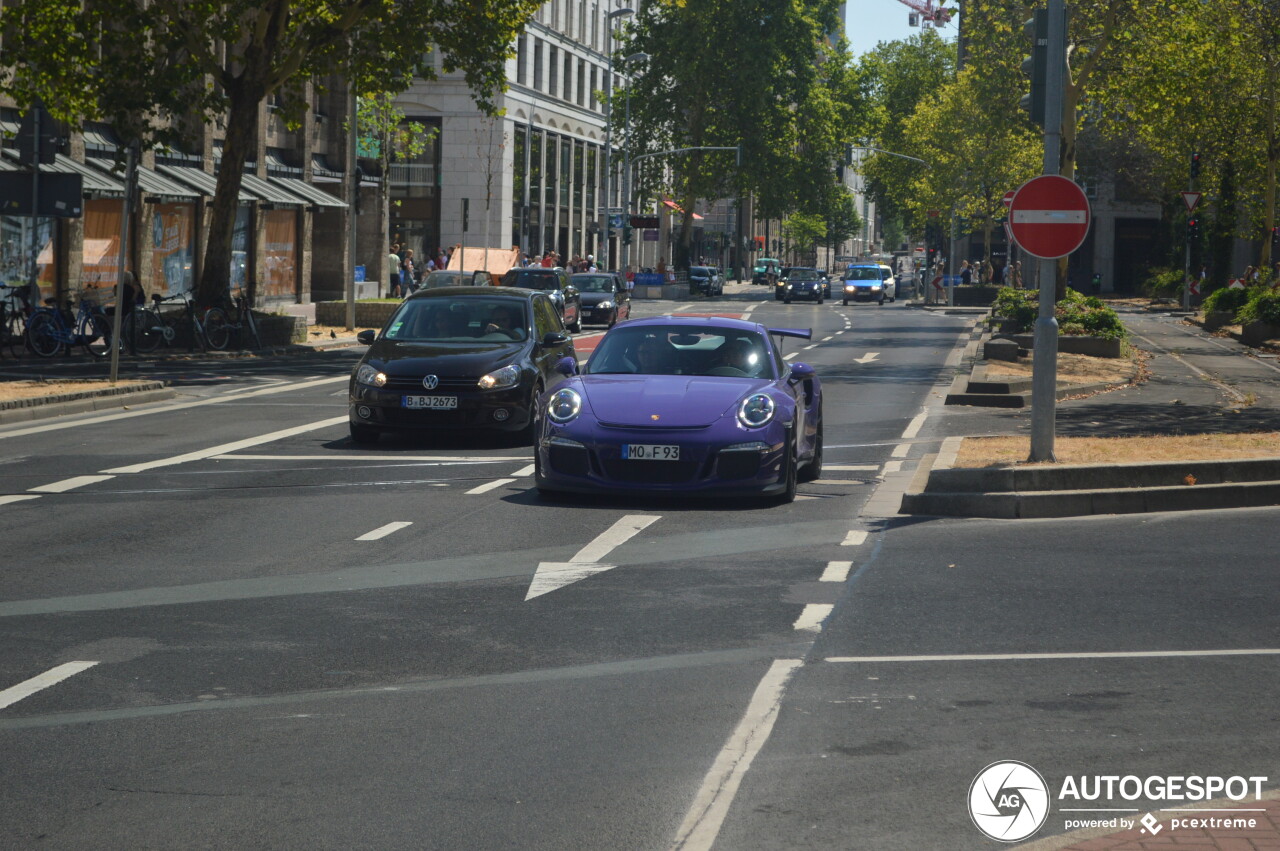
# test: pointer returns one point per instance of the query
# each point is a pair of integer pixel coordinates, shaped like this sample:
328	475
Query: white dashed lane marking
384	531
488	486
53	676
837	571
811	618
69	484
856	537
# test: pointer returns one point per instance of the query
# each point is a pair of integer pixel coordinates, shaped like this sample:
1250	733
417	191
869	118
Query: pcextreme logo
1008	801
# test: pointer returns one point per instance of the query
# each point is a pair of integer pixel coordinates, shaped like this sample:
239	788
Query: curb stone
107	398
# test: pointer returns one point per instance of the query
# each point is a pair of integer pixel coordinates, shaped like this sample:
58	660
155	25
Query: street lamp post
626	155
608	127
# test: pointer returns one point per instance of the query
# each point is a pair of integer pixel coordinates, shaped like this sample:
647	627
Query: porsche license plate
650	452
429	403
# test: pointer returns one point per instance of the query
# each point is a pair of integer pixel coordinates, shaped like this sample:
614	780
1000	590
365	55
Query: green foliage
1020	306
1263	306
1164	282
1077	314
1226	300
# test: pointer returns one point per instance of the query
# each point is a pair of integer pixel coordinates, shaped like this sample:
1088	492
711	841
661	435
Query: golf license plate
650	452
429	403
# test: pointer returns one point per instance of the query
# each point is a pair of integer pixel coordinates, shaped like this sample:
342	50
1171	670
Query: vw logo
431	382
1008	801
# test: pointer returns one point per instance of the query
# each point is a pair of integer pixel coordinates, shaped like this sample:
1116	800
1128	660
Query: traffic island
24	401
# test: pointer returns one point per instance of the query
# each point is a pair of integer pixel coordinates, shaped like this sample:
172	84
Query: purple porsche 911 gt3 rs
697	405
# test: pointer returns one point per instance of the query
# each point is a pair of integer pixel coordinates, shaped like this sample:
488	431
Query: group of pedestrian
553	260
407	271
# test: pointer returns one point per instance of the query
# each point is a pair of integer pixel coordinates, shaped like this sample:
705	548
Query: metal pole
354	179
130	182
608	140
33	284
1044	365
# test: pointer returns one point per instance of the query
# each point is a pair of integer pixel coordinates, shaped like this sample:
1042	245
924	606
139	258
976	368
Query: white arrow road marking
13	694
69	484
384	531
552	574
867	358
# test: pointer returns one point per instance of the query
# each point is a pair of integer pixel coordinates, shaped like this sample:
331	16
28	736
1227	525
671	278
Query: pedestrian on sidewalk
966	273
393	271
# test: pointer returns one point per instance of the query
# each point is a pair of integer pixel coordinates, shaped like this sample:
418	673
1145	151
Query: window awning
310	194
201	181
94	182
268	193
320	171
100	138
673	205
278	167
151	183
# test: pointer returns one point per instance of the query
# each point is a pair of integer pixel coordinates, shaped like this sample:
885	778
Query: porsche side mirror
567	367
366	337
801	371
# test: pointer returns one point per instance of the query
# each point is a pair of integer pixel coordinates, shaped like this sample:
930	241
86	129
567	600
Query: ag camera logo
1008	801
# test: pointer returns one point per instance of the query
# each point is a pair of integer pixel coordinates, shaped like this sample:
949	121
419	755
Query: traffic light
1195	165
1036	66
1193	228
1275	242
626	234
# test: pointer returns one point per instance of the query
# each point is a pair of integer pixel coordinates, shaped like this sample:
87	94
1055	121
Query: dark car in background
605	297
458	359
705	280
805	282
455	278
557	284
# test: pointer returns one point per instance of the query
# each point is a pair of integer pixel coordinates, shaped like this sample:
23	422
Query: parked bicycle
13	319
50	330
218	326
150	328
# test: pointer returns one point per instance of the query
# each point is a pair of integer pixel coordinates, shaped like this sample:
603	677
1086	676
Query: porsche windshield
682	350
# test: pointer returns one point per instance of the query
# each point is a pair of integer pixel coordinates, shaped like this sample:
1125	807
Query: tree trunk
215	275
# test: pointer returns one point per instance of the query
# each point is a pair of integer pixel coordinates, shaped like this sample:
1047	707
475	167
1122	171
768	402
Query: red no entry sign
1049	217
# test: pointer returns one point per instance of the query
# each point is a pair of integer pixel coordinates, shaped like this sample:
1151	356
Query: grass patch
1011	451
1076	369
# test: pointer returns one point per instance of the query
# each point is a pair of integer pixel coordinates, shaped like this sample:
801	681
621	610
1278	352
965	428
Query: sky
869	22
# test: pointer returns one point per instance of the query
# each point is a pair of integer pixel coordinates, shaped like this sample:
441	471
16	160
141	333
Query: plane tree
188	62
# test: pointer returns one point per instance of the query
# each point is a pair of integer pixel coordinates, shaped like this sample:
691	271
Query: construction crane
926	13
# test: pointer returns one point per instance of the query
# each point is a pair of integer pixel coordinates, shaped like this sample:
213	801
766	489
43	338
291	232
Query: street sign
1008	197
1049	217
644	221
61	195
1191	199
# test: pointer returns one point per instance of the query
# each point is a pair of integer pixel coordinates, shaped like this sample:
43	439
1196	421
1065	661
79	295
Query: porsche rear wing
802	333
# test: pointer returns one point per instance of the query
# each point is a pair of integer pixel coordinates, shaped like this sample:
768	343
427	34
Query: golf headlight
370	375
564	407
849	286
875	287
508	376
605	305
756	410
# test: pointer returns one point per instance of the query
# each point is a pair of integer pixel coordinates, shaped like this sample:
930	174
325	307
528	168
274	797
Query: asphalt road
302	643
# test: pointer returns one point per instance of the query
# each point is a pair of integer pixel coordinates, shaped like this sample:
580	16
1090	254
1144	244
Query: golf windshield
862	273
460	320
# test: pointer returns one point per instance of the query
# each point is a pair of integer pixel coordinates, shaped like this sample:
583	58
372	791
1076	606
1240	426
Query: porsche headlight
756	410
508	376
370	375
564	406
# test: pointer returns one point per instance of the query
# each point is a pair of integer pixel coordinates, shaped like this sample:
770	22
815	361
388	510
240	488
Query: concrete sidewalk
1198	384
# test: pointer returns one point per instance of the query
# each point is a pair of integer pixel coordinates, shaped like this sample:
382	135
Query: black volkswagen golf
458	358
